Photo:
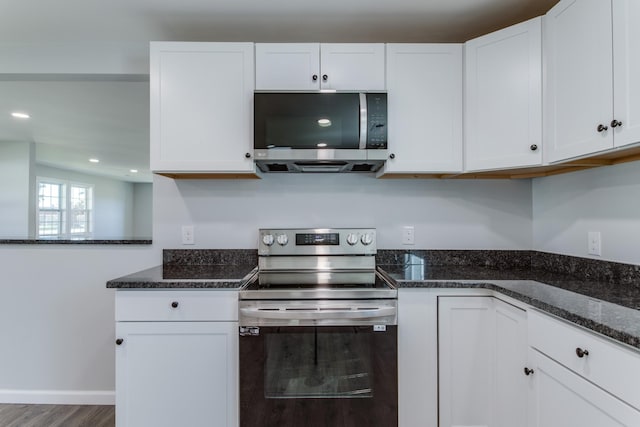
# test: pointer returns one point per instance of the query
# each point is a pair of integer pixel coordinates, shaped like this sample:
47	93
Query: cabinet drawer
176	306
612	367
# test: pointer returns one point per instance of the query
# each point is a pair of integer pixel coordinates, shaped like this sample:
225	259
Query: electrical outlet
187	235
594	243
408	234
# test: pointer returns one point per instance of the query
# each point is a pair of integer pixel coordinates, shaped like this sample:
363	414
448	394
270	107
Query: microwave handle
363	121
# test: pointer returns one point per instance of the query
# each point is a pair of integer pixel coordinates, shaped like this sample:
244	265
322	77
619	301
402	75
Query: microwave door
309	121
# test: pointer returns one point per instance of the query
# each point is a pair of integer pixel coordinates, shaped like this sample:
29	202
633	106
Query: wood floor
57	416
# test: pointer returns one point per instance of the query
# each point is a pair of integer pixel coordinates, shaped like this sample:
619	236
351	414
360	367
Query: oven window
316	362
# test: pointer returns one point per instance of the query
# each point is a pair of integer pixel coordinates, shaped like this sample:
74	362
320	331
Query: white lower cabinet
172	368
482	355
560	398
417	357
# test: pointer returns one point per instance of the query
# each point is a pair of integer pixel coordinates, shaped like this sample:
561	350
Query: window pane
49	223
49	195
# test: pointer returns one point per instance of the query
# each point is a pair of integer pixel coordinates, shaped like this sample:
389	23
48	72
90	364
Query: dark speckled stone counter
186	276
608	308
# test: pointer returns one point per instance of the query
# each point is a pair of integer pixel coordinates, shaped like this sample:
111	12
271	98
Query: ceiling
74	120
425	21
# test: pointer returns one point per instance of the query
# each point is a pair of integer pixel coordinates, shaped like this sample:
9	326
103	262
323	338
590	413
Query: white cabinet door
417	358
201	107
425	108
177	374
352	66
511	383
561	398
626	66
288	66
466	337
579	83
503	98
313	66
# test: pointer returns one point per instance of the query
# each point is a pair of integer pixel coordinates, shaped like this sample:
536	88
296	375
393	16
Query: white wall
15	189
605	199
455	214
57	319
142	210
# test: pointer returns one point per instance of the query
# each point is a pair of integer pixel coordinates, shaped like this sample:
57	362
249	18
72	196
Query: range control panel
317	241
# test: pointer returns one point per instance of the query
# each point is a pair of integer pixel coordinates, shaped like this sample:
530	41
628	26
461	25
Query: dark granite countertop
610	309
214	276
76	241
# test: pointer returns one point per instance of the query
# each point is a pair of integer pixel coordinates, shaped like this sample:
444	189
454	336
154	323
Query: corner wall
606	199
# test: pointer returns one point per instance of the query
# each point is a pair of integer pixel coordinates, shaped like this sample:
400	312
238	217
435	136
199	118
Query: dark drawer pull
581	353
119	341
528	371
174	304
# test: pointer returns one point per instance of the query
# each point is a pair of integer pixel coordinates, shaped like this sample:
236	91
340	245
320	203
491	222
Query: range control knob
352	239
268	239
366	239
282	239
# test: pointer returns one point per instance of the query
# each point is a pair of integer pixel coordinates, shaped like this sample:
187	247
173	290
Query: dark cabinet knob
581	353
615	123
602	128
325	77
314	77
247	155
533	147
119	341
392	156
528	371
174	304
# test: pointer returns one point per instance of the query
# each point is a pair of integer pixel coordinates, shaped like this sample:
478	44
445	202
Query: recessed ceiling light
324	122
133	170
94	160
19	115
322	144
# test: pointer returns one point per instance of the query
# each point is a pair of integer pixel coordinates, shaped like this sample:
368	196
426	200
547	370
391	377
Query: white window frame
65	223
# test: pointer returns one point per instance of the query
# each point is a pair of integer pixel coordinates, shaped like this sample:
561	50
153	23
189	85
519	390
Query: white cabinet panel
511	383
613	367
177	374
288	66
417	358
579	89
313	66
503	98
466	337
425	108
626	66
352	66
563	399
201	107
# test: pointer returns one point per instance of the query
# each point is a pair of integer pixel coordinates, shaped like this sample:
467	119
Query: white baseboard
58	397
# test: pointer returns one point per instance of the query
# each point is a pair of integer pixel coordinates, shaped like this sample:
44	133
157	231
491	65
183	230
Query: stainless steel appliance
318	333
320	132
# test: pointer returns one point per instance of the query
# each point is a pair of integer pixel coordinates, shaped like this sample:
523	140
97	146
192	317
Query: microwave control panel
377	120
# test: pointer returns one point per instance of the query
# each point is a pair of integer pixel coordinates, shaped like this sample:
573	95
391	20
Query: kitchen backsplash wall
446	214
606	200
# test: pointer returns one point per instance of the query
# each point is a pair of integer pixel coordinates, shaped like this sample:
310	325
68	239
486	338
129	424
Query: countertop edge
617	335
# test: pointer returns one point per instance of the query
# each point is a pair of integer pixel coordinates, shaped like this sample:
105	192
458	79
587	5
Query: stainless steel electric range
318	332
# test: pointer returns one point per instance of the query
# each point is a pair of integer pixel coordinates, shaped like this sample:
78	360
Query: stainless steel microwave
320	132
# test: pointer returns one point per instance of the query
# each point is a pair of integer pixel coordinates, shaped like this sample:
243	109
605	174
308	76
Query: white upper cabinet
425	108
201	99
626	69
313	66
503	98
288	66
593	77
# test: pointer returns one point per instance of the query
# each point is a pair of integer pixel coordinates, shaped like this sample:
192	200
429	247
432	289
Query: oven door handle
315	314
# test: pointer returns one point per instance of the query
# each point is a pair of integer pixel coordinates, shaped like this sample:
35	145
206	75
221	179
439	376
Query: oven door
318	376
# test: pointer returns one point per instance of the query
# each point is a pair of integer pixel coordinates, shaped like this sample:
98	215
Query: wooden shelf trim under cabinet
208	175
605	159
